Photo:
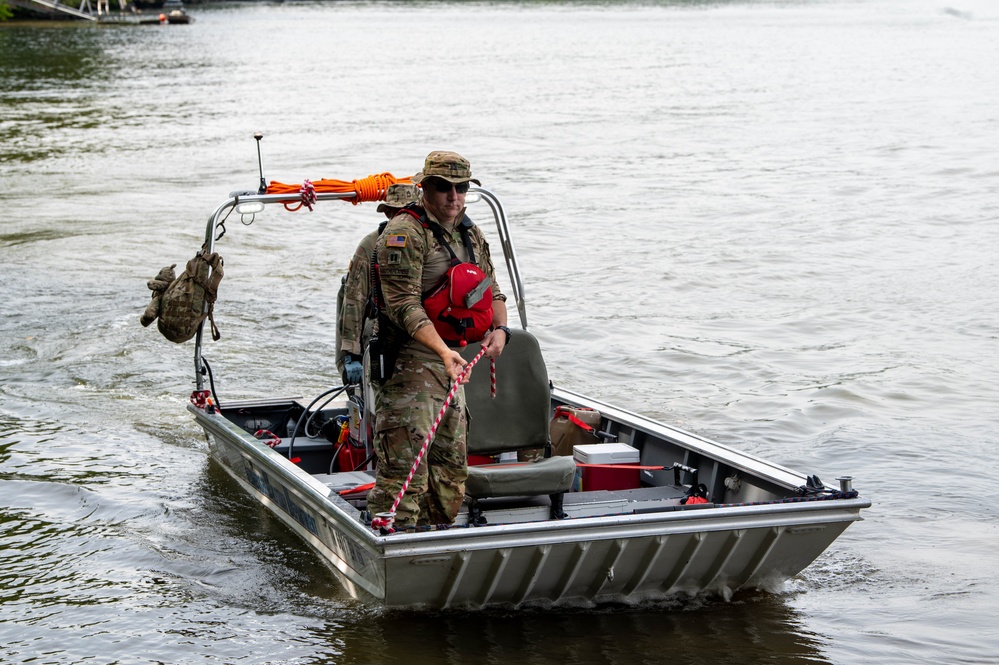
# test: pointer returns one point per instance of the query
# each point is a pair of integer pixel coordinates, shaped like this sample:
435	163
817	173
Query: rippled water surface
772	223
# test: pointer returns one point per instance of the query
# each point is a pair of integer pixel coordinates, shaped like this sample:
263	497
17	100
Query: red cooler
606	477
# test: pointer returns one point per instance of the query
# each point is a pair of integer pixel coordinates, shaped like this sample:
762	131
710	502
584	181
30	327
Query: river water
772	223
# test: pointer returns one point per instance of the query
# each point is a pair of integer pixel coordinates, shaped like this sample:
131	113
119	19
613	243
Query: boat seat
516	419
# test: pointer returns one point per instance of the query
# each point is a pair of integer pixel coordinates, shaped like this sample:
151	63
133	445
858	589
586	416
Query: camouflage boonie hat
399	196
445	165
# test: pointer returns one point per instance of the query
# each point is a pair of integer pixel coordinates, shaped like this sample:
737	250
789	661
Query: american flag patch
396	241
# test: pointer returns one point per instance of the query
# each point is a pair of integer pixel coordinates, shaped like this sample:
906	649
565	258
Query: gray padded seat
517	419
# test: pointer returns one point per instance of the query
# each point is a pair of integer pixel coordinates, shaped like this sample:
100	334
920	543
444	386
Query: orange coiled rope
372	188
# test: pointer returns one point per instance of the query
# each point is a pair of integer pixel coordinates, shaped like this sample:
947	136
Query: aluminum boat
622	508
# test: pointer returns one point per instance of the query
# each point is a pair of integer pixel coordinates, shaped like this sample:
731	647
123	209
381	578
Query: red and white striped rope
492	378
307	197
386	521
308	194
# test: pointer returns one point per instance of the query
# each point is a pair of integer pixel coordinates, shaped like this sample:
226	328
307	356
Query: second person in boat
355	291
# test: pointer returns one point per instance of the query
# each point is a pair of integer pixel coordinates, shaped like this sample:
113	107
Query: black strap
466	240
438	232
464	227
373	304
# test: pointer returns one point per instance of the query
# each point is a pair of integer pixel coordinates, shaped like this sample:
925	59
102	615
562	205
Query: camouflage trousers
405	409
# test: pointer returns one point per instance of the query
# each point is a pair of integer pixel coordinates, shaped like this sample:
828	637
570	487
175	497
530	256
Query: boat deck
516	510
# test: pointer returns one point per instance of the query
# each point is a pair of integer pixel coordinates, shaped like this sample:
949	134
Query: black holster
383	350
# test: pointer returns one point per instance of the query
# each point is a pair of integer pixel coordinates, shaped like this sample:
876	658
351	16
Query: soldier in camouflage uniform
412	261
350	333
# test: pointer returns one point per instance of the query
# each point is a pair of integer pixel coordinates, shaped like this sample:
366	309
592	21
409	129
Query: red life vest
460	305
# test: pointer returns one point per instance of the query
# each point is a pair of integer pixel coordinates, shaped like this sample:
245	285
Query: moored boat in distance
177	17
624	508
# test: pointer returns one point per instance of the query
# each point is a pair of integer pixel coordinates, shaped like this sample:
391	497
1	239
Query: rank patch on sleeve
396	240
395	258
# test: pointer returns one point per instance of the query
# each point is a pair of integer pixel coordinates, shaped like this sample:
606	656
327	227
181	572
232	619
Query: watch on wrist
506	330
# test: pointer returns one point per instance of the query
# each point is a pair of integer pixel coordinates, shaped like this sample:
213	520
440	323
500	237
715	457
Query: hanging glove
353	370
157	285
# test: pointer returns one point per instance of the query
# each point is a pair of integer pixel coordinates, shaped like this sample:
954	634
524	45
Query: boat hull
582	560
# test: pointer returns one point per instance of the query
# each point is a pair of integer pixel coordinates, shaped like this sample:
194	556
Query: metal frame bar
236	198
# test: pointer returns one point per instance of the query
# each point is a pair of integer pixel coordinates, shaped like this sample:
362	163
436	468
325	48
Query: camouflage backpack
180	305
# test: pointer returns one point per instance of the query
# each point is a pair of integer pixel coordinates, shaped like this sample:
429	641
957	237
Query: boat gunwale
636	525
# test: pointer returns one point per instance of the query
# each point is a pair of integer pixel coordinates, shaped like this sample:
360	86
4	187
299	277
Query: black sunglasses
443	186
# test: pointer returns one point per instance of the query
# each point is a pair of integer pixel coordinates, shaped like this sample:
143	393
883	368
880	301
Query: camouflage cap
445	165
399	196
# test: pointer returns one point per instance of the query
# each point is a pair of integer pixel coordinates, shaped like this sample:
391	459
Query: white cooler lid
605	453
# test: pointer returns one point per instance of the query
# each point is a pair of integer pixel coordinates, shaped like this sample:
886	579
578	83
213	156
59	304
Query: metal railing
217	218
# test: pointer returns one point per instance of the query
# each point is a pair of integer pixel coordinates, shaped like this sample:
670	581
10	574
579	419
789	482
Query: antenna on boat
260	165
